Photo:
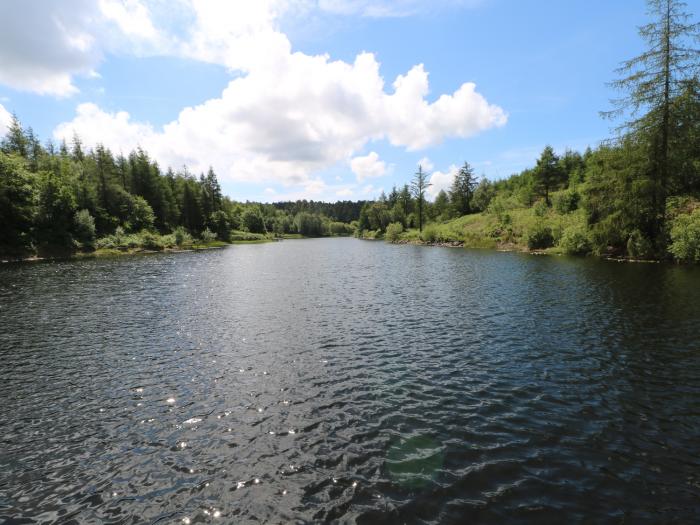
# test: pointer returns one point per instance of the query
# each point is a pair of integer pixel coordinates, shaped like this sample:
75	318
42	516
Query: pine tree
651	81
418	186
15	141
404	200
548	173
462	189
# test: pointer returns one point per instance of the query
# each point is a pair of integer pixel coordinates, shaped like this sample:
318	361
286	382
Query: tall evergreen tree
15	141
419	185
404	199
548	173
462	189
17	207
650	82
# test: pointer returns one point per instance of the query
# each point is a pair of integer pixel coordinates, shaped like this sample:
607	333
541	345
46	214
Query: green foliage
182	237
462	190
440	209
419	185
340	228
638	246
575	241
143	240
55	214
430	234
309	225
220	224
253	221
548	173
374	216
483	194
84	228
567	201
140	215
540	209
207	235
151	241
241	236
540	237
17	205
394	231
685	237
499	206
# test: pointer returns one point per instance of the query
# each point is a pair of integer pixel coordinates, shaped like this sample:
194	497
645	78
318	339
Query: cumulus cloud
114	130
5	120
368	167
237	34
426	164
305	114
288	115
44	44
441	181
390	8
131	16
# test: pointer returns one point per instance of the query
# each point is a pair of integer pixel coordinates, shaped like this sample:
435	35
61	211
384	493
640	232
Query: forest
635	195
55	201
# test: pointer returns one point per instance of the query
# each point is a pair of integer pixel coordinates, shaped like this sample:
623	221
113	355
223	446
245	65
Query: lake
338	380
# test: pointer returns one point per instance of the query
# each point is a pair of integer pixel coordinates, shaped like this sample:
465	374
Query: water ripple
347	381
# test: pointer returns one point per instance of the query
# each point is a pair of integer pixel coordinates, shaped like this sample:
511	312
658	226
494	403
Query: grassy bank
538	229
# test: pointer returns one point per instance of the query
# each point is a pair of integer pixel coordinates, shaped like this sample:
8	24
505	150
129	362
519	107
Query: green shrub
609	235
500	205
181	236
638	246
84	228
567	201
540	237
207	235
394	231
149	241
540	209
575	241
340	228
237	236
430	233
685	237
371	234
140	214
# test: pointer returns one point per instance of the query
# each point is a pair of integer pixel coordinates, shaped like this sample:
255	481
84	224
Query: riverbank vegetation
636	195
58	200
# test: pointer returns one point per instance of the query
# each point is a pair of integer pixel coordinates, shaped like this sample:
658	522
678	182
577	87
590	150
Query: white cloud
132	17
288	115
368	167
390	8
5	120
426	164
237	34
284	123
114	130
441	181
44	44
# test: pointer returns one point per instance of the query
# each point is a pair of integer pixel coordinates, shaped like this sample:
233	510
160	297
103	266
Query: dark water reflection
349	381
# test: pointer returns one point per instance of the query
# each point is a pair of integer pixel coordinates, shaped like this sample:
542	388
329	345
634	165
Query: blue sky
281	105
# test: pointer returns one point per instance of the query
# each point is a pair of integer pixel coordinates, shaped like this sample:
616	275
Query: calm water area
348	381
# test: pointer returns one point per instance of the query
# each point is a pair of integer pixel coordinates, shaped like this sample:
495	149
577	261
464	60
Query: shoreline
106	252
116	252
515	248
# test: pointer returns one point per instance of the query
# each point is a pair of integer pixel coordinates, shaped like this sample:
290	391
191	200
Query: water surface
338	380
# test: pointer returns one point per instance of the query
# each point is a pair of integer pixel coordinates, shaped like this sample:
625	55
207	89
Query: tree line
56	199
638	192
